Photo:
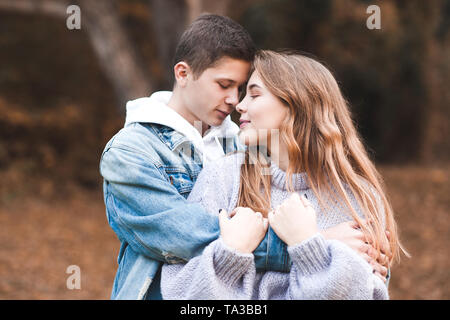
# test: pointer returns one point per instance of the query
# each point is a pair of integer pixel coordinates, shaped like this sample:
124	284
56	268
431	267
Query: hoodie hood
154	109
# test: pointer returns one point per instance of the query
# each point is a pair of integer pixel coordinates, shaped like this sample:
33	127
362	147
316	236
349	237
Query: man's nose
233	98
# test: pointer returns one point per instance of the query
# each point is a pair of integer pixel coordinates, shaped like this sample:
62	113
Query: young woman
314	174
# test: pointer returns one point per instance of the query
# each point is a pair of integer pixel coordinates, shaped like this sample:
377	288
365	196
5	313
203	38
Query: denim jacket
149	170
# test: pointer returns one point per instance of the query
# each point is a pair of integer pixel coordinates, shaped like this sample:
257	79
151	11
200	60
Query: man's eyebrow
225	79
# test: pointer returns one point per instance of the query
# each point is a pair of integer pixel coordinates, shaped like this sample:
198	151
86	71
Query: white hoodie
154	109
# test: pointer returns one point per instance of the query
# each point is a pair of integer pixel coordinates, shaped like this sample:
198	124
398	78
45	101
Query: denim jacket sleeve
146	211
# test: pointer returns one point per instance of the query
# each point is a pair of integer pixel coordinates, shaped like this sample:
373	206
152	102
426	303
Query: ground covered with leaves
44	233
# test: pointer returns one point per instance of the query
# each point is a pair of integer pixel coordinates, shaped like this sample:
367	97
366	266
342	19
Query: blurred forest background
63	94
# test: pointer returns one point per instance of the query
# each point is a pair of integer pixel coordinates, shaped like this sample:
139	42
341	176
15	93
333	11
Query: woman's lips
243	123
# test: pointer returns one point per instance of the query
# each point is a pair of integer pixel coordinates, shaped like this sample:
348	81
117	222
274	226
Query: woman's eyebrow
253	85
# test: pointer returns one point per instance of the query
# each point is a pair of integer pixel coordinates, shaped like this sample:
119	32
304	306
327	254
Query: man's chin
203	125
216	122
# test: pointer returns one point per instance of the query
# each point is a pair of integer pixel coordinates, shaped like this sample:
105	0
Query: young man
150	166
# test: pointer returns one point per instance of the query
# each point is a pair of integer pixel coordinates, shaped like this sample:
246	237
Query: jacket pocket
181	181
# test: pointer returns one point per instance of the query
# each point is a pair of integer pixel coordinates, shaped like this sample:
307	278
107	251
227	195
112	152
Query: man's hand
351	234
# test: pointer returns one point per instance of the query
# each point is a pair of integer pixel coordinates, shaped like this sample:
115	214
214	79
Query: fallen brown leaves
41	237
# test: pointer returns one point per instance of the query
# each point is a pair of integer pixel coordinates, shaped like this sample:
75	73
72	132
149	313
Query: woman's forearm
331	270
216	274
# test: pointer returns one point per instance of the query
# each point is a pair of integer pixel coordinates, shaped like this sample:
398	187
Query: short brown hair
211	37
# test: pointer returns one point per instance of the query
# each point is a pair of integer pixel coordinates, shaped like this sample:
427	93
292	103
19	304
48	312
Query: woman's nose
240	107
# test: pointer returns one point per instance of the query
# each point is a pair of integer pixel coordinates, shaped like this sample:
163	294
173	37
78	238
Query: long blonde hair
322	142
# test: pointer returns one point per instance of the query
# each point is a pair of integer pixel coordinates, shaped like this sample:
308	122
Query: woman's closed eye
254	93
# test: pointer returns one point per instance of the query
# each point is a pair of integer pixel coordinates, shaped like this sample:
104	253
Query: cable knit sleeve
220	273
331	270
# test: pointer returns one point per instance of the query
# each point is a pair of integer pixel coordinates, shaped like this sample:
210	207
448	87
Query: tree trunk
168	19
108	38
435	144
197	7
50	7
116	53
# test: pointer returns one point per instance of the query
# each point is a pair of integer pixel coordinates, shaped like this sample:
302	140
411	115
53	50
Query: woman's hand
294	220
351	234
244	230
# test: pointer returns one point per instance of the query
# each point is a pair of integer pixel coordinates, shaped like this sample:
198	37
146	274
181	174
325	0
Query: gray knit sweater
321	269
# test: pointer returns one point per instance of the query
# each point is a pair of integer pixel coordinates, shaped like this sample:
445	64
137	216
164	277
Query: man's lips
243	123
223	113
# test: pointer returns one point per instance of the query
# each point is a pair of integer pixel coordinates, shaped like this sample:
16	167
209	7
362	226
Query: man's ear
181	71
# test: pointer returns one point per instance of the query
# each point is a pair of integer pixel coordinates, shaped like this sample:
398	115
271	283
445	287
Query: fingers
383	260
377	268
243	231
366	222
265	224
294	200
366	257
307	205
259	216
367	252
374	254
270	216
271	220
371	251
353	224
223	219
240	211
296	197
371	255
385	248
235	210
379	257
243	213
305	201
360	236
223	216
385	253
363	222
364	249
265	221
